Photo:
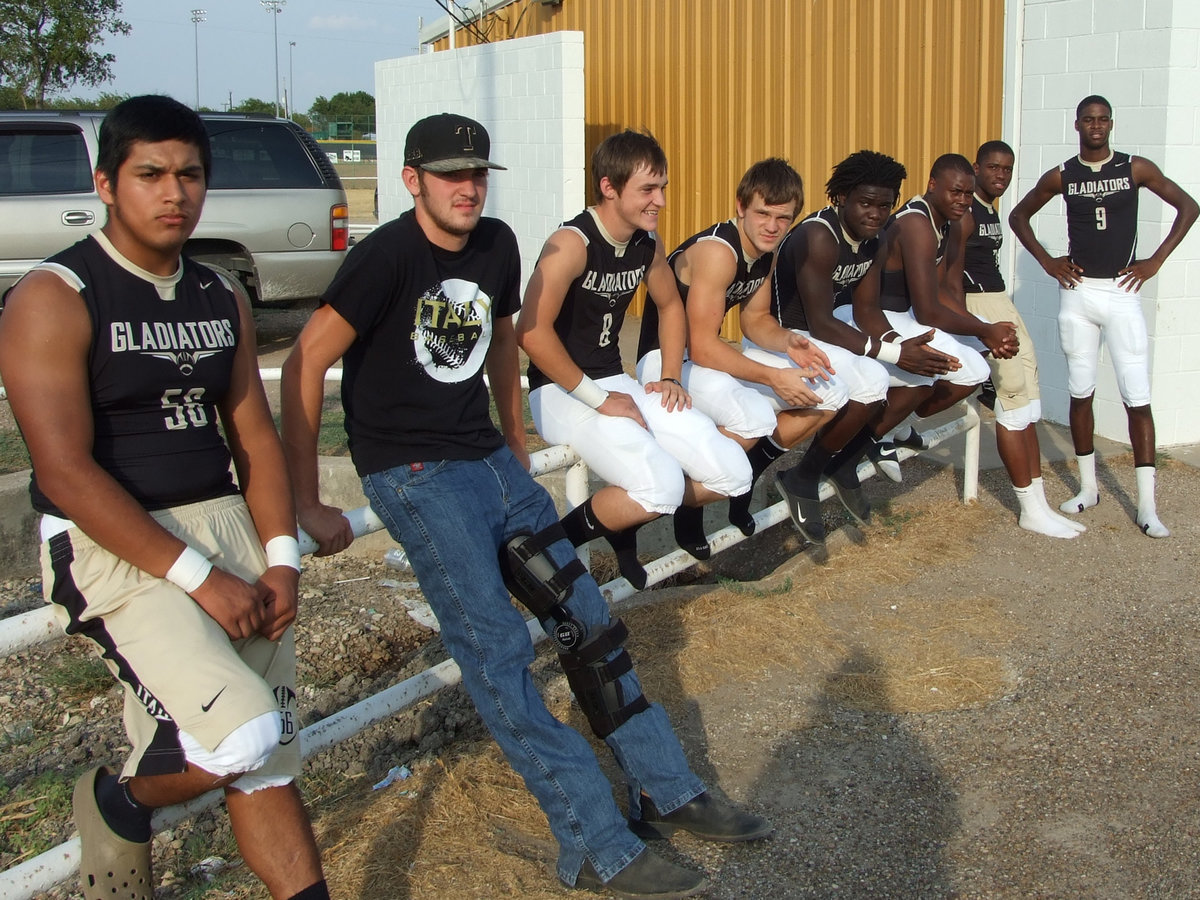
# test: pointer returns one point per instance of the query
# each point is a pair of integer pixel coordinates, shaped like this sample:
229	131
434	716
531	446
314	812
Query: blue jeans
452	516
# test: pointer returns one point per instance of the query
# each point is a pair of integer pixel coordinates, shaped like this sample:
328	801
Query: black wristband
672	380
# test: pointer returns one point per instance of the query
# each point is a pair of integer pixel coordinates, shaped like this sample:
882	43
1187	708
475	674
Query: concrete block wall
1144	56
528	93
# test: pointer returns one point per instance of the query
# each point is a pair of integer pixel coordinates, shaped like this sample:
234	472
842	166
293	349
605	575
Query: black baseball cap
448	143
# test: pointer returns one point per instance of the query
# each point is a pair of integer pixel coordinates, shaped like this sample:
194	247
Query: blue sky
337	44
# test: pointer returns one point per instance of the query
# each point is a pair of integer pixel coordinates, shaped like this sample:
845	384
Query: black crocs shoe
805	512
706	816
648	876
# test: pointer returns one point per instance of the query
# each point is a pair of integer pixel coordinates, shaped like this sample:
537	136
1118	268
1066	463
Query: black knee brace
595	682
541	585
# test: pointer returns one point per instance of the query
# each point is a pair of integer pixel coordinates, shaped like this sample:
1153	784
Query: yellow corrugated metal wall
723	83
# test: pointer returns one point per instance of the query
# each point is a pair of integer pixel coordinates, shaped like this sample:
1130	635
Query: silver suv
275	215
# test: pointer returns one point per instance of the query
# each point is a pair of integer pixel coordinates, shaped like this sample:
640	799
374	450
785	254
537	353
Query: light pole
291	81
198	16
275	7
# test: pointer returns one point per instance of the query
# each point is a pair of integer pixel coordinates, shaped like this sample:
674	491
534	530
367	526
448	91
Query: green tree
106	100
357	108
47	46
254	105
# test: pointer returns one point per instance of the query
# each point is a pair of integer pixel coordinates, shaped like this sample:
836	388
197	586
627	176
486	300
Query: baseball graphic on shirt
453	330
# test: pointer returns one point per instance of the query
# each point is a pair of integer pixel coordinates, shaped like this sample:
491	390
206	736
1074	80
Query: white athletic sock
1089	493
1039	490
1034	518
1147	514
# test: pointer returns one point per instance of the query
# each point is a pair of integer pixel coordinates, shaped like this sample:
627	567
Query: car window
253	155
44	160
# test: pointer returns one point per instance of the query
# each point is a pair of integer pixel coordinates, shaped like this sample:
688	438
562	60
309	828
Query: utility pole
198	16
275	7
291	81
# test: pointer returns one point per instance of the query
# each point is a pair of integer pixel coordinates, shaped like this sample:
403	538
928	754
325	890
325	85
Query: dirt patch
946	706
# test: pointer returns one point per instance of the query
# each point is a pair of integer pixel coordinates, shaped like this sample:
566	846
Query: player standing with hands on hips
1099	281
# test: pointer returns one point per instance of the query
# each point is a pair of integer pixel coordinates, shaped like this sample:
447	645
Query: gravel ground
1076	778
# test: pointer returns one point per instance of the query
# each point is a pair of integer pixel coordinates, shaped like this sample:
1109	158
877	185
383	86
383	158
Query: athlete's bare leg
944	395
1083	425
900	402
276	839
167	790
617	511
1141	434
1013	447
794	425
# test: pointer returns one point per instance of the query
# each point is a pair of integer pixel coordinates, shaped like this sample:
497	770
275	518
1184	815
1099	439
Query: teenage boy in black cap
418	311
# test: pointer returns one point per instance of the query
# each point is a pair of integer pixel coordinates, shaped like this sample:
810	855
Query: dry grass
895	652
465	826
462	827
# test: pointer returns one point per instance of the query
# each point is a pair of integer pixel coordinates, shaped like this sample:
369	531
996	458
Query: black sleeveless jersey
750	275
1102	207
160	362
893	290
854	258
981	260
593	311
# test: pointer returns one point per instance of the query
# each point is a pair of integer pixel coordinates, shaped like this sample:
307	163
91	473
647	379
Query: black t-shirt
412	384
160	362
589	322
981	258
750	275
854	259
1102	207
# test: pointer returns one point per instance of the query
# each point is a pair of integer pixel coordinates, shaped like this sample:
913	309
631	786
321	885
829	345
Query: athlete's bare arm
915	353
672	330
1061	268
261	469
1146	174
563	259
814	281
324	339
916	248
503	369
45	338
712	269
950	273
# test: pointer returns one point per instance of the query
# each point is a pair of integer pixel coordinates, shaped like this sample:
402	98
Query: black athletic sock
761	455
814	461
121	811
624	544
318	891
689	531
581	524
800	484
844	464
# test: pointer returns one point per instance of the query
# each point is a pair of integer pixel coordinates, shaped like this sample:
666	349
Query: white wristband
589	393
888	352
189	570
283	550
